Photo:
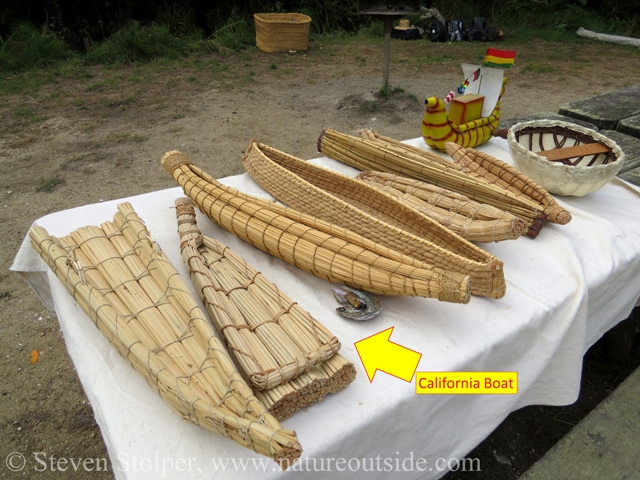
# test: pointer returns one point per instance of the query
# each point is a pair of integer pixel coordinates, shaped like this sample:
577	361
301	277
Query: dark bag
455	30
408	34
478	31
438	32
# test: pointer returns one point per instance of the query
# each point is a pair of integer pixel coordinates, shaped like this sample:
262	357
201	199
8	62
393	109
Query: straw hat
403	24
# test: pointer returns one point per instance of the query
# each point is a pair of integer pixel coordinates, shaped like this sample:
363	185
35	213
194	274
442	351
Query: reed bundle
375	152
471	220
353	204
325	250
309	387
483	165
272	337
136	298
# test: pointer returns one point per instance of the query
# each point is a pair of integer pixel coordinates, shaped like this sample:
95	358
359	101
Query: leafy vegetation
66	37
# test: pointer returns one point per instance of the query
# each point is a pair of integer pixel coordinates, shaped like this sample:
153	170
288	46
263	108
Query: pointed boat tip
452	147
174	159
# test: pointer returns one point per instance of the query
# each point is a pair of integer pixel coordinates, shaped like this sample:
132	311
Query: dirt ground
98	134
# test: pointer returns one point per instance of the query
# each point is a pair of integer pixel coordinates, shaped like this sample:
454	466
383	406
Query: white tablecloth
565	289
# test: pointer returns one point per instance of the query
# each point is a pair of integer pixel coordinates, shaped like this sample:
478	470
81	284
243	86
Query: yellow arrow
378	353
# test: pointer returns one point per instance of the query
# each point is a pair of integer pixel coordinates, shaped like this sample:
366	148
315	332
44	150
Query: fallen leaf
501	458
34	356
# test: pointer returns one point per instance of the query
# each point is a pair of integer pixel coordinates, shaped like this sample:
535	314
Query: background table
565	289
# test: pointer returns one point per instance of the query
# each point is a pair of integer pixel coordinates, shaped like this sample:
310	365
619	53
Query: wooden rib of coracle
494	170
325	250
272	337
471	220
375	152
129	288
353	204
562	137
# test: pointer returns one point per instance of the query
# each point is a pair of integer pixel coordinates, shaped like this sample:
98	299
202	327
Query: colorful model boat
487	82
438	129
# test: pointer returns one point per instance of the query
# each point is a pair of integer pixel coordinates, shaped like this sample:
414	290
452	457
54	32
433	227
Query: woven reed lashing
494	170
272	337
341	256
129	288
352	204
471	220
374	152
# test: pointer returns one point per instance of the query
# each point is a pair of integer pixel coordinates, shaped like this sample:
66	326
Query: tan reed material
485	166
281	32
374	152
272	337
471	220
325	250
353	204
308	388
136	298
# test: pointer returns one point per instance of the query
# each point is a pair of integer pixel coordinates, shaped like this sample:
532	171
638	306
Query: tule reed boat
353	204
316	246
137	299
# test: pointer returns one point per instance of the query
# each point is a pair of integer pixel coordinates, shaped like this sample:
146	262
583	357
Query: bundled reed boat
375	152
487	167
272	338
137	299
325	250
347	202
471	220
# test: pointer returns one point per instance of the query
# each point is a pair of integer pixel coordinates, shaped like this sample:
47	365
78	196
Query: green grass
82	159
125	137
50	184
27	115
386	91
536	68
27	47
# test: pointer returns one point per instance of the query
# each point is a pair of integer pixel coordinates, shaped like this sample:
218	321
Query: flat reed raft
350	203
473	221
272	338
318	247
375	152
136	298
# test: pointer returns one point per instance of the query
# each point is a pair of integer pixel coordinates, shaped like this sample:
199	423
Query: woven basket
137	299
281	32
341	256
350	203
575	176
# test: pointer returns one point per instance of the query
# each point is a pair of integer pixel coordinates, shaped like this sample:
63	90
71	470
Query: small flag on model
499	58
465	84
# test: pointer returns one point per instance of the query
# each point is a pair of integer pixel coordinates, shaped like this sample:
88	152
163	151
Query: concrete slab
607	109
629	145
510	122
631	176
604	444
630	126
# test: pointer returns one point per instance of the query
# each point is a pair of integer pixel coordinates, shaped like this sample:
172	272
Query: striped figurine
437	129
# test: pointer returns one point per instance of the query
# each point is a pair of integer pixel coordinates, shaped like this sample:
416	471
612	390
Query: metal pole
388	26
